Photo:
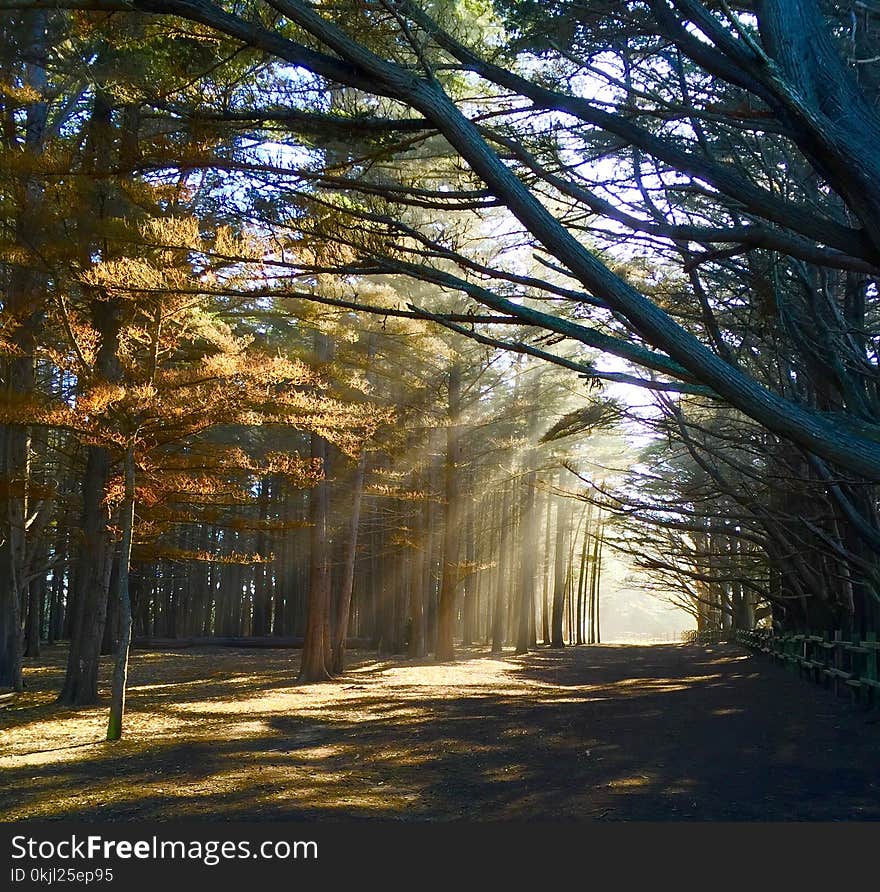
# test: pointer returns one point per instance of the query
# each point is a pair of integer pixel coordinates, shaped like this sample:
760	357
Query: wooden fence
715	636
845	664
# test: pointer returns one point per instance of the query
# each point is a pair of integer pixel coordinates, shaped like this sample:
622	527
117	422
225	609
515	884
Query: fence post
826	659
838	659
855	670
852	661
871	668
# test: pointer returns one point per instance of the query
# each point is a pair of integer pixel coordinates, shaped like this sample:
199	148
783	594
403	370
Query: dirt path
611	733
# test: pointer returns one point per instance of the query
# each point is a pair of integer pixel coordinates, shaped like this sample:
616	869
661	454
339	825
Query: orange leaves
8	348
250	368
168	553
398	493
19	94
135	274
307	471
177	231
99	398
195	467
205	484
33	408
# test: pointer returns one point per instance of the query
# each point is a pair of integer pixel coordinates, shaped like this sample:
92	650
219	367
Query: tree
672	183
799	102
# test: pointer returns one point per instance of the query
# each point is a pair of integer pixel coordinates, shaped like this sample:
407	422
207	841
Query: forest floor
623	732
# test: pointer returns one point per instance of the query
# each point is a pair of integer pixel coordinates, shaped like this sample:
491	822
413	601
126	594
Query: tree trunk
343	603
451	515
468	604
314	654
120	671
81	679
582	576
262	614
595	633
96	563
36	601
420	582
23	308
90	607
545	589
563	516
528	551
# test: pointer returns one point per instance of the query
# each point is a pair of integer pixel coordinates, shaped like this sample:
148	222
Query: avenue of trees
308	310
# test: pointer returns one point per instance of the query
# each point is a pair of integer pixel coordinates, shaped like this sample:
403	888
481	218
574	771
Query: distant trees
690	188
751	63
698	182
185	455
744	173
134	358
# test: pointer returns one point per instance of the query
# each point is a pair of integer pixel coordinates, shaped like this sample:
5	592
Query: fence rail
715	636
845	664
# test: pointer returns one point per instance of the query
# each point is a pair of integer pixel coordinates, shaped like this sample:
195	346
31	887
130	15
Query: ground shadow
610	733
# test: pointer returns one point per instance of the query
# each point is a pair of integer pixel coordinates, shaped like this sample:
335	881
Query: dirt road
612	733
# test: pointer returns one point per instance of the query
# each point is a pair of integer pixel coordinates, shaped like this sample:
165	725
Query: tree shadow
628	733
